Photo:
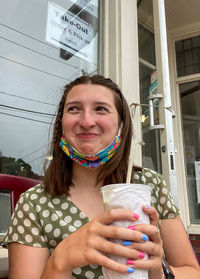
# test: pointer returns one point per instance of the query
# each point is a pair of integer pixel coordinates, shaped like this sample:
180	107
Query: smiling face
90	118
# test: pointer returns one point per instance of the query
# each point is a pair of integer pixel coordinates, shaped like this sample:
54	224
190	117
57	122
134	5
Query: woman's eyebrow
103	104
96	103
72	103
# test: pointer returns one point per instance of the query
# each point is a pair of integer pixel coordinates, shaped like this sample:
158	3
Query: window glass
5	212
151	156
43	46
190	100
146	44
188	56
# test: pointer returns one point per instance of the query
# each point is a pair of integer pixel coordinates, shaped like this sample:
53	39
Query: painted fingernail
132	228
145	237
126	243
131	262
135	215
141	255
130	270
147	206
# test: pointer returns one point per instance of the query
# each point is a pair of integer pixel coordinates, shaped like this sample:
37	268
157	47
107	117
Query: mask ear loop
120	129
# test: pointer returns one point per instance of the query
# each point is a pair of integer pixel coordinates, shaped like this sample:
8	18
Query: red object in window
16	185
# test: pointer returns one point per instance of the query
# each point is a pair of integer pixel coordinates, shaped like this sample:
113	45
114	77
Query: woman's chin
88	147
87	152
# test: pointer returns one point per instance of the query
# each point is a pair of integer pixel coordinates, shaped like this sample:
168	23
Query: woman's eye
73	109
101	109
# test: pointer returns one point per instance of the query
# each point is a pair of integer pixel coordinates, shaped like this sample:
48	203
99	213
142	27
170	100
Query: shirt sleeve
25	226
162	199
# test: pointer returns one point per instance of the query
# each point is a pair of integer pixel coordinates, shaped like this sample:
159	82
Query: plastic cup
127	196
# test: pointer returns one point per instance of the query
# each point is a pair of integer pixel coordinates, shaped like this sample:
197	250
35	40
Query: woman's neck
85	193
84	177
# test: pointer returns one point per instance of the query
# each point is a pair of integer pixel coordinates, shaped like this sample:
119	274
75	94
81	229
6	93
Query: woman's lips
87	135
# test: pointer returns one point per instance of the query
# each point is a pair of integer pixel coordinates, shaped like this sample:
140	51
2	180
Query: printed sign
71	33
88	5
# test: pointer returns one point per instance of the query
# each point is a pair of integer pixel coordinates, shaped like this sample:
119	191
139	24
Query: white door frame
121	59
165	111
181	33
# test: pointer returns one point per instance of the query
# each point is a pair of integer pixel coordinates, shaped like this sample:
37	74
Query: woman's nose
87	120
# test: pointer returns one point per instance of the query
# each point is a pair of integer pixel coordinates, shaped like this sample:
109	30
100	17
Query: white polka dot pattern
42	221
161	198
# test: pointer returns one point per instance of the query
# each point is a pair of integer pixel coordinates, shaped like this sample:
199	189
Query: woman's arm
178	250
26	261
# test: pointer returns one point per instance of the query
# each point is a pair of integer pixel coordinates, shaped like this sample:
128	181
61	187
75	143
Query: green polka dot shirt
40	220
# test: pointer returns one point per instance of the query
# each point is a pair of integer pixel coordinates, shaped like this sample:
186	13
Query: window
151	156
190	100
5	210
188	56
44	45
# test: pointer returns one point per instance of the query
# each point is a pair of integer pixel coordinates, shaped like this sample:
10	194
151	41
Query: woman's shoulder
37	196
146	176
161	197
33	194
38	189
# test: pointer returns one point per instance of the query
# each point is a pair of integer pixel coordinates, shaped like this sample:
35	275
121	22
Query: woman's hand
89	244
152	246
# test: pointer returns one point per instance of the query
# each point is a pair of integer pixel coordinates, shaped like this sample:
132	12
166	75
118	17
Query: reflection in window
188	56
5	212
146	44
190	99
35	64
151	156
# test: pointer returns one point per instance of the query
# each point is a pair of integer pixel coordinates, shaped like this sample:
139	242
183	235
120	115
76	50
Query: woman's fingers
150	248
152	213
150	230
133	242
117	215
111	264
116	248
151	264
123	234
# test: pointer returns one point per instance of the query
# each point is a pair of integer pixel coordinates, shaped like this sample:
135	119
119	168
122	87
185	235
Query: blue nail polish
126	243
147	206
131	270
145	237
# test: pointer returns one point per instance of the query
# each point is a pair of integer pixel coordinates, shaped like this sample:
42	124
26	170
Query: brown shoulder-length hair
58	175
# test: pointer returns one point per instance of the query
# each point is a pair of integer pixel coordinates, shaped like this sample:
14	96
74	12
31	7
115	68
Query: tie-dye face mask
91	161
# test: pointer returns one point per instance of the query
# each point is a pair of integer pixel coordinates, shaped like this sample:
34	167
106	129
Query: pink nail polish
130	262
132	228
135	215
141	255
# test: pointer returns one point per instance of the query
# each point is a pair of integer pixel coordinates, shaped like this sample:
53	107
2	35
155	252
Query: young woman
59	228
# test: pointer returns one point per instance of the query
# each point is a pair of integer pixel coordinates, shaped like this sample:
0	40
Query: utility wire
33	68
29	99
35	39
40	53
26	35
34	151
41	116
26	110
146	105
36	159
26	118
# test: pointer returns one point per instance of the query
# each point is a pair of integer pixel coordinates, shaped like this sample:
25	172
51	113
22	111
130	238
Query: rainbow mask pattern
91	161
